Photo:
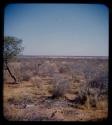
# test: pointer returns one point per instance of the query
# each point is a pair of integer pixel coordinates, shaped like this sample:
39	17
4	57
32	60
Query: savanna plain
56	89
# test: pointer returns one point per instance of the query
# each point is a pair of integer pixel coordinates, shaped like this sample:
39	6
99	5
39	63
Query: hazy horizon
62	55
59	29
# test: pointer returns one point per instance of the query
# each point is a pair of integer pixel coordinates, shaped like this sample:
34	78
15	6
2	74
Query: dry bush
26	77
22	71
95	85
36	81
20	100
81	97
30	114
26	71
48	69
75	79
63	68
60	88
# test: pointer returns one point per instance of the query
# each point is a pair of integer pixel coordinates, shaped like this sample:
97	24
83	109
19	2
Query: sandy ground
28	101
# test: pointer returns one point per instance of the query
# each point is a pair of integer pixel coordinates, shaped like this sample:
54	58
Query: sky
59	29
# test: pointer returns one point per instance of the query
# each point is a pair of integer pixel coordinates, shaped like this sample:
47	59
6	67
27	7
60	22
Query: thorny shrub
96	84
60	87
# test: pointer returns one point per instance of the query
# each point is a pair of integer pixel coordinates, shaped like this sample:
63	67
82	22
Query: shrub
36	81
63	68
26	77
60	88
47	69
96	84
93	101
80	99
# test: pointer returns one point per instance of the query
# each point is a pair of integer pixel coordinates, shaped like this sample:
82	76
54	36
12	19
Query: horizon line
64	55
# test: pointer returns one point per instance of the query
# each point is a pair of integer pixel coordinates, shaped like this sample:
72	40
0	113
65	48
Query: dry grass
20	96
31	100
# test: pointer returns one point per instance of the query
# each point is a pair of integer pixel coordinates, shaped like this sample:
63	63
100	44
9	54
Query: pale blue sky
59	29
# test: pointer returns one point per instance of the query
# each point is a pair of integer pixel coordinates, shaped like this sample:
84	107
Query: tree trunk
15	81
